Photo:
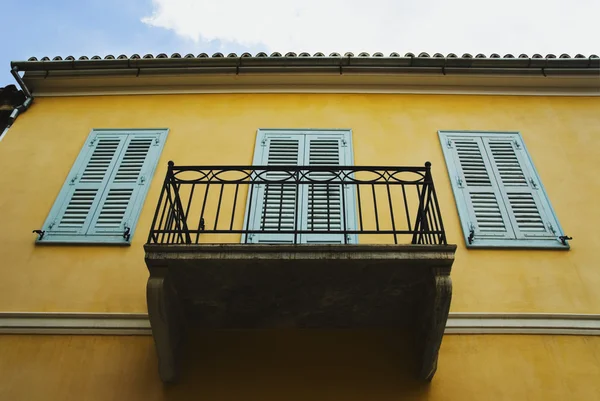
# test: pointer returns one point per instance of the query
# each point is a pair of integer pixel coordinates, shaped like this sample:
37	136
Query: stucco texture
561	133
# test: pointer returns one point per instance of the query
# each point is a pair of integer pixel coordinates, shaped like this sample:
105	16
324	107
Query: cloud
515	26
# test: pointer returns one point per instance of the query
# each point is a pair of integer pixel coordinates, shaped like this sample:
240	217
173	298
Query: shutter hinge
40	233
263	142
72	182
51	225
551	228
564	238
471	233
127	233
249	237
202	224
142	180
92	142
459	182
344	143
533	184
517	144
449	143
156	141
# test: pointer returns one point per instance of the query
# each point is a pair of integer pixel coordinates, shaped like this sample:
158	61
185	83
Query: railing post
160	199
184	228
421	218
438	212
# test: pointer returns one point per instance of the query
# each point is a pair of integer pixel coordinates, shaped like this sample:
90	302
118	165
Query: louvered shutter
323	202
105	189
128	180
519	188
315	207
474	178
274	205
72	211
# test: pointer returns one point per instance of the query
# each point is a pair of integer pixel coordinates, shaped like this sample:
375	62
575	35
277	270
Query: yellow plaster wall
562	134
300	365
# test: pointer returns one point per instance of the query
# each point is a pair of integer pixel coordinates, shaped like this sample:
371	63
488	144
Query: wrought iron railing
200	204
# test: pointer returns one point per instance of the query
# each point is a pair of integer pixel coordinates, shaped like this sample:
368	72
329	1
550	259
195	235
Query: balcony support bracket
167	328
434	321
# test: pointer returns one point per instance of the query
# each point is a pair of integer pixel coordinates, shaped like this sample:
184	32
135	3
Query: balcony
248	247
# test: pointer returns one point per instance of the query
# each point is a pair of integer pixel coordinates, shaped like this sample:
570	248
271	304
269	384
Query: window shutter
474	178
323	202
315	206
105	189
121	199
275	205
71	213
519	188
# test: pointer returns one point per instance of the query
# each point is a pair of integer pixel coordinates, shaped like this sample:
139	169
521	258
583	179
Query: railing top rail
415	169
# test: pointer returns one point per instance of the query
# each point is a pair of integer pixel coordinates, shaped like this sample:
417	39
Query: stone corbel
434	320
167	324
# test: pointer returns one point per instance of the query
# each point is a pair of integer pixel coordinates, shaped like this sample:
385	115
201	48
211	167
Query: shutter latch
127	233
562	238
533	184
40	233
471	234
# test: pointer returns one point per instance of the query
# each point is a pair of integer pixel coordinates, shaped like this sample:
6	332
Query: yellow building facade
523	323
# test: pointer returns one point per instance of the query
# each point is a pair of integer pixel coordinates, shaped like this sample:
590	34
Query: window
102	198
317	207
501	201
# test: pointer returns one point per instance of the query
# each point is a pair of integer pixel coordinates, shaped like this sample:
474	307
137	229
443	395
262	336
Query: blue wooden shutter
71	214
498	192
481	205
280	206
122	199
520	190
323	209
274	205
105	189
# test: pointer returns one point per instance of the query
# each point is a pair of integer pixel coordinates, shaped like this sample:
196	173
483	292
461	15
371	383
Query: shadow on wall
298	365
261	365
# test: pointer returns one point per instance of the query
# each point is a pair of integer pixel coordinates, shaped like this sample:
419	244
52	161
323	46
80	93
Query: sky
100	27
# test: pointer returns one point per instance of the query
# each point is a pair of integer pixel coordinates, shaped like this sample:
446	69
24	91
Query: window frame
463	210
98	239
257	160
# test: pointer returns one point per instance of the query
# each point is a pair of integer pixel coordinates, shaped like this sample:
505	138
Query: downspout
23	107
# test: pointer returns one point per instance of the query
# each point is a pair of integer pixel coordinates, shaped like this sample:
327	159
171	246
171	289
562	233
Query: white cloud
509	26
